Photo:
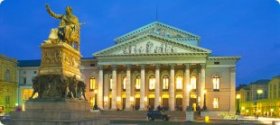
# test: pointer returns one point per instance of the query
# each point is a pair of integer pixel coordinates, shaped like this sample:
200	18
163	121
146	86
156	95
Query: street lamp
95	107
238	101
259	96
204	101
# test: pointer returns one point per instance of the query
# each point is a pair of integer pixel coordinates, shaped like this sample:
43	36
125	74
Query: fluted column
106	92
100	88
114	87
128	88
172	89
201	85
157	86
142	88
232	89
186	90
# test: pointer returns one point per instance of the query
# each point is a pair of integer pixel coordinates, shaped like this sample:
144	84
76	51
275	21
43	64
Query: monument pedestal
57	112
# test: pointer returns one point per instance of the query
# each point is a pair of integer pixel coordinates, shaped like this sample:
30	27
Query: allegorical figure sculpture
68	30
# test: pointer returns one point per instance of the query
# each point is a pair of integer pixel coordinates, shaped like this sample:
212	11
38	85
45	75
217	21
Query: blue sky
247	28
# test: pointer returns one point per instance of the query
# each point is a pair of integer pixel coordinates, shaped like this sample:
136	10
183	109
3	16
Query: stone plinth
60	59
62	112
189	116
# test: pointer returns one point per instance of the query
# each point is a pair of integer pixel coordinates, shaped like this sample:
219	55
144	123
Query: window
179	82
137	83
7	75
35	72
24	80
92	83
124	83
152	83
216	103
91	101
193	82
165	83
111	84
216	83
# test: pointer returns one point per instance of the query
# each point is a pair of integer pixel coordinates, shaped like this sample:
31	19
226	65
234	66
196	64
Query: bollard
206	119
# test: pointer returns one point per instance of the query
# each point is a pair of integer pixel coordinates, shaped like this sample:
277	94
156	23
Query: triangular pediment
163	30
151	44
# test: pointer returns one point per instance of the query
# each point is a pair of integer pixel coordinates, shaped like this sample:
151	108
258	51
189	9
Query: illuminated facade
27	70
260	98
160	65
8	84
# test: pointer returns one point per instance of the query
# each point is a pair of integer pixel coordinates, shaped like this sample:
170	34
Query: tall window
193	82
7	75
165	83
92	84
152	83
111	84
124	83
137	83
179	82
216	103
216	83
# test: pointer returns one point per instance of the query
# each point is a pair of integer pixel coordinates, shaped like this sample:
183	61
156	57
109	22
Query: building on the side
27	70
157	65
260	98
160	65
8	84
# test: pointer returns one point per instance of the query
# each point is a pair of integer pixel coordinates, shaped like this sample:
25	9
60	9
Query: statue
68	30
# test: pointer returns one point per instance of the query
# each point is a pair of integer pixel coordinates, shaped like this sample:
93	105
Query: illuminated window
92	83
111	84
137	83
216	82
165	83
124	83
216	103
179	82
27	93
91	101
193	82
152	83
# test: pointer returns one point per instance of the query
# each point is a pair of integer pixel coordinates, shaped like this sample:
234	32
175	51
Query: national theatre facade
160	65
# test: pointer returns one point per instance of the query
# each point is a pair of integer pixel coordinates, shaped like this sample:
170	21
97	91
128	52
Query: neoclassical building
160	65
155	65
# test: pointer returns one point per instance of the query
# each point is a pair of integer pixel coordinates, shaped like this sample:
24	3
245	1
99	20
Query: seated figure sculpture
68	30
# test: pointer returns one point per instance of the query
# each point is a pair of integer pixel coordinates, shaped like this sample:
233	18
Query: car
5	119
152	115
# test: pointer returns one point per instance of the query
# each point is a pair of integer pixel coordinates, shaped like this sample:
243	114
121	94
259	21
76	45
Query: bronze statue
69	27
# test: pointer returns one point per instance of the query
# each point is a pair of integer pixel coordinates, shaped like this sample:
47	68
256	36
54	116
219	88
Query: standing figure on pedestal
68	30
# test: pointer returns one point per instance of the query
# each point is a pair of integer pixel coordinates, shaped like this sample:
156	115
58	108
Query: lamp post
95	107
259	96
238	101
204	101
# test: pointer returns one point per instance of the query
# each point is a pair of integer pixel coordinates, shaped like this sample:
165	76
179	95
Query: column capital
142	66
232	69
157	66
100	67
187	65
203	65
128	66
114	67
172	65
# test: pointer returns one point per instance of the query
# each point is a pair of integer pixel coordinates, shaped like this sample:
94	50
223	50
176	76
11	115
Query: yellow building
261	98
8	84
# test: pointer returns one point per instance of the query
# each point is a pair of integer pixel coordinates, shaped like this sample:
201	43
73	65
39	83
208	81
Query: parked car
152	115
5	119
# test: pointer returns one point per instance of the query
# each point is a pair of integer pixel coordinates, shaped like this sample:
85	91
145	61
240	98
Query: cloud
278	1
1	1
